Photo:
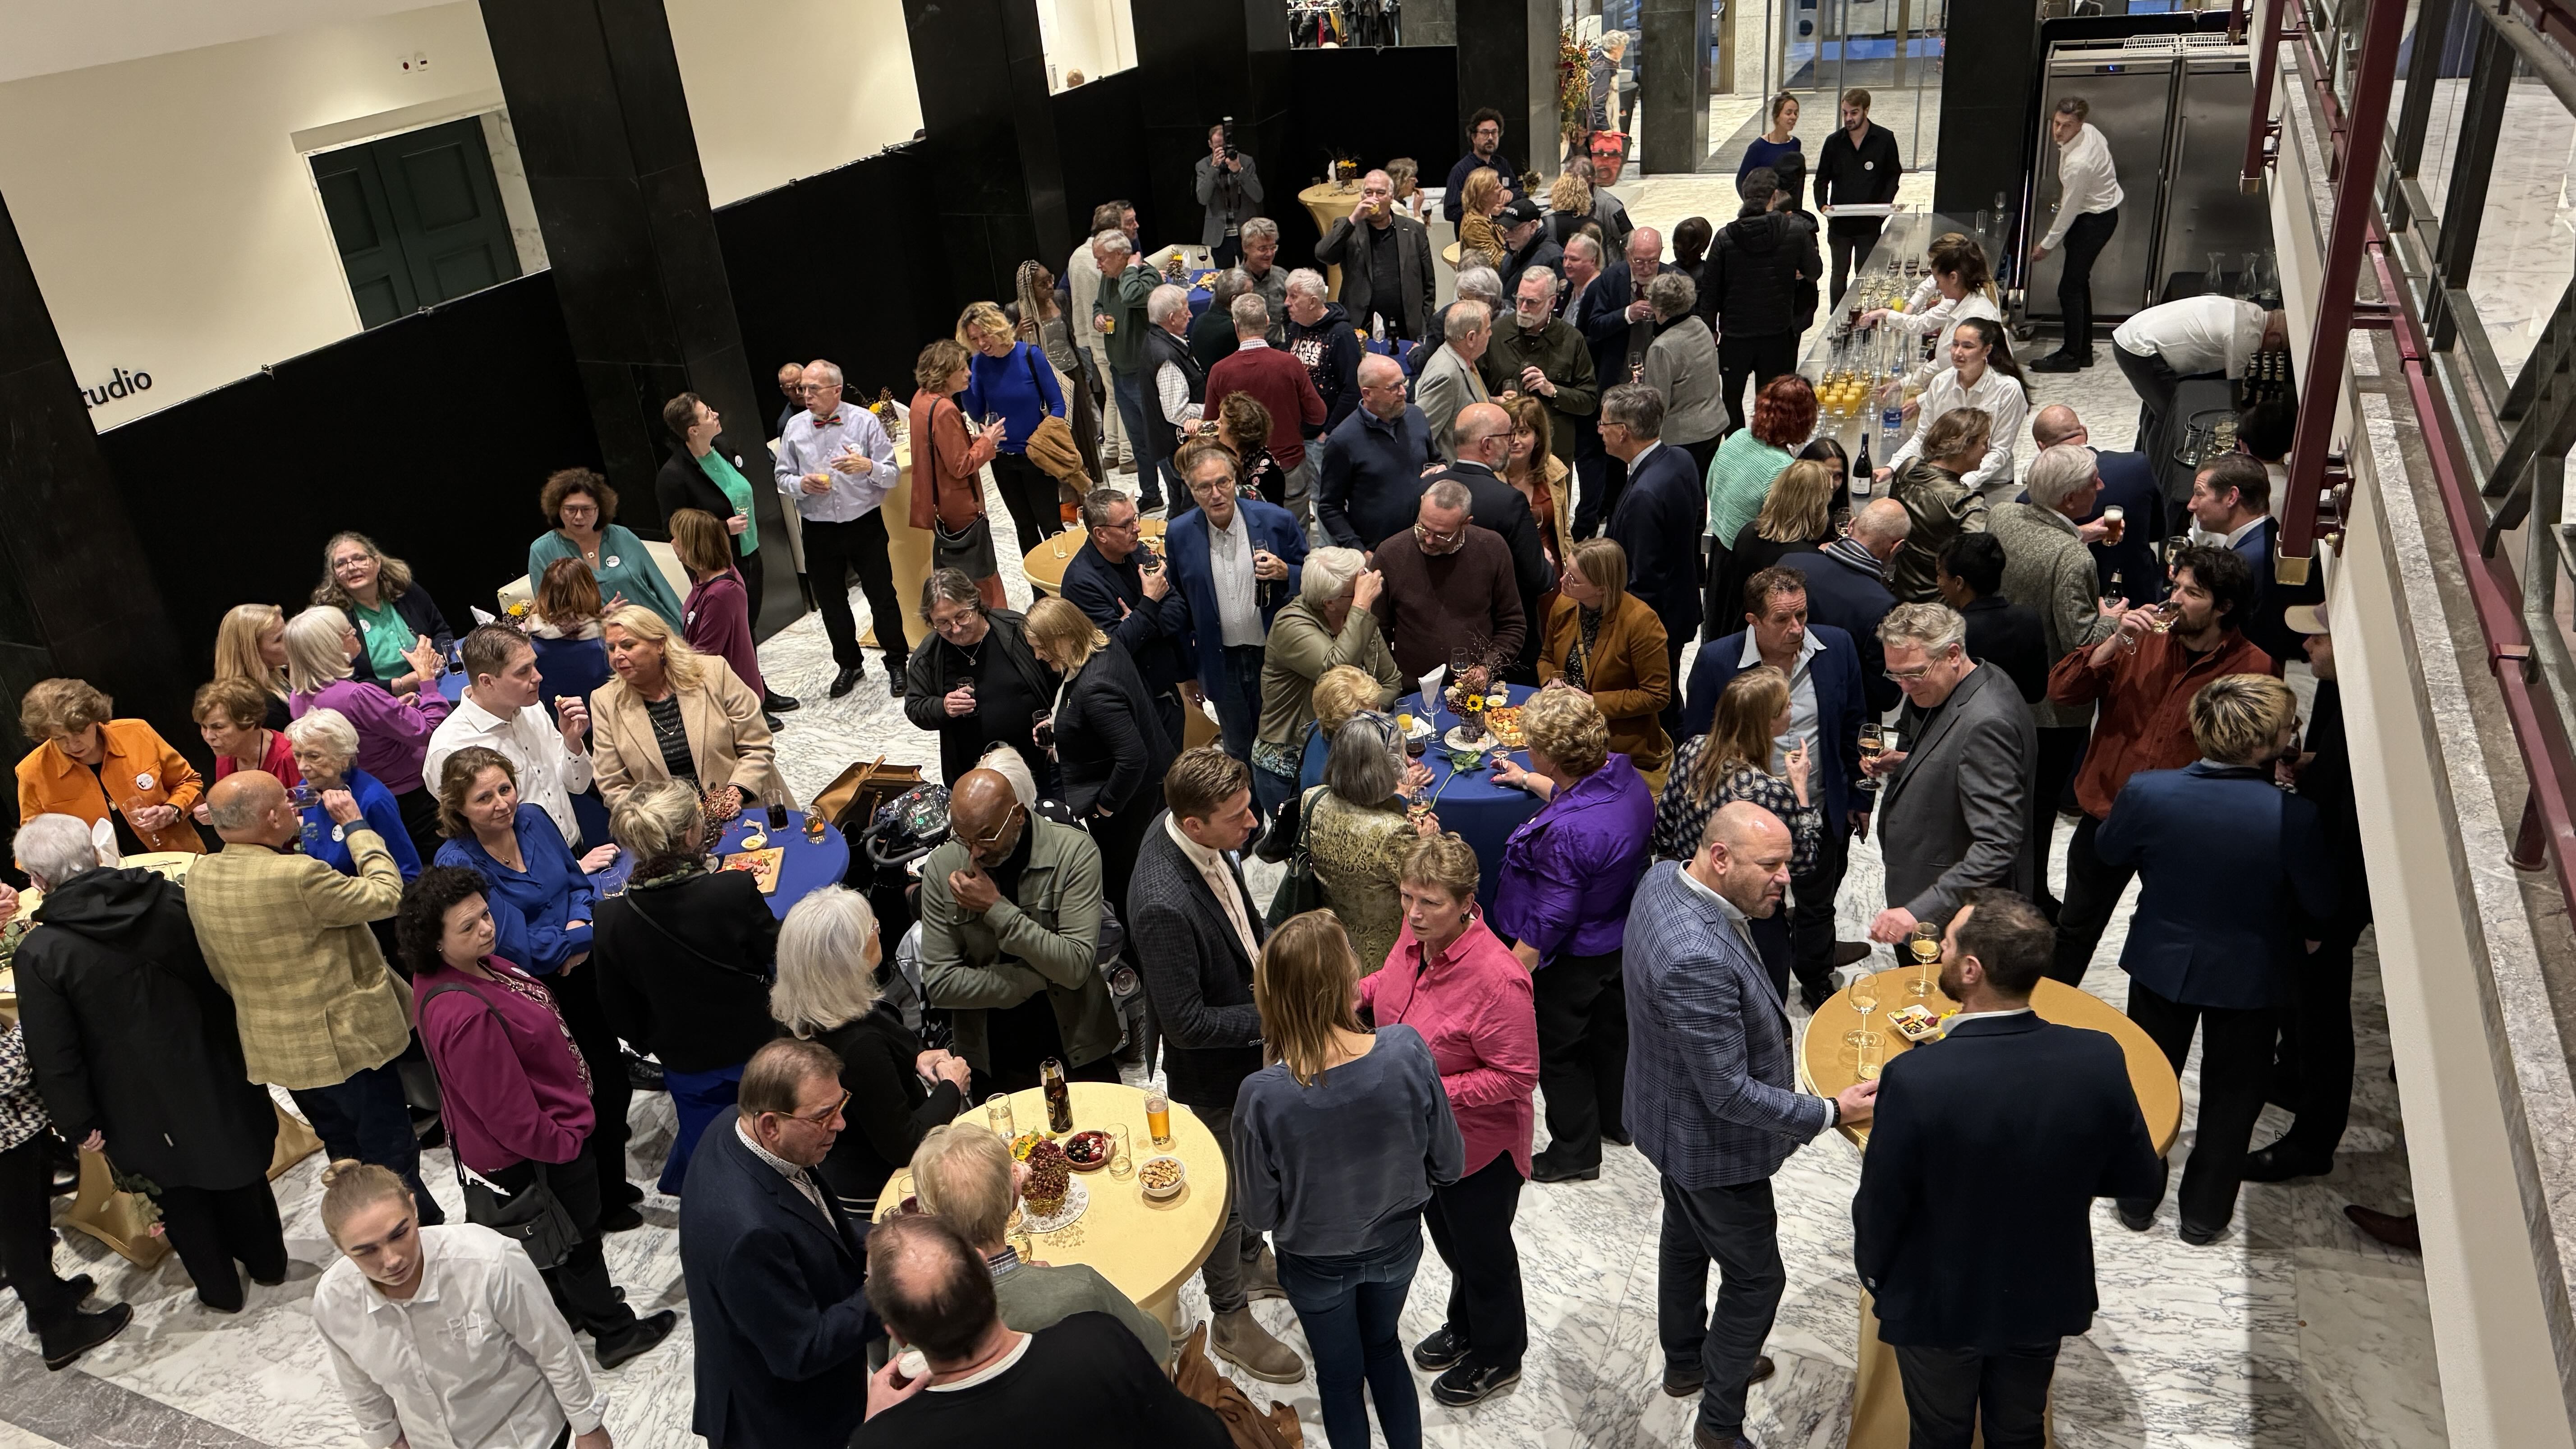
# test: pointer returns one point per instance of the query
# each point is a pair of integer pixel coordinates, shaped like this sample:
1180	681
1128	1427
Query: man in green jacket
1010	935
1539	353
1119	311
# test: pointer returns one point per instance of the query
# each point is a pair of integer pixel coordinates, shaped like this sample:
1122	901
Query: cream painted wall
1095	37
176	231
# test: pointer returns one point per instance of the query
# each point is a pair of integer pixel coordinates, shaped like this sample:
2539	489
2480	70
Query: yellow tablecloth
1045	563
1328	202
1148	1249
1826	1065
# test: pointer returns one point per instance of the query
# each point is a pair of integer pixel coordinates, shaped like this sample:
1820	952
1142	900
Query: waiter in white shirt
500	711
2198	337
2088	211
838	465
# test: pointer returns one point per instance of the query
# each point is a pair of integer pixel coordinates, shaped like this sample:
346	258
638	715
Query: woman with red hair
1739	477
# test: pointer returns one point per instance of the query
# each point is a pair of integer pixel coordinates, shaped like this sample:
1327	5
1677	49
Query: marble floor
2291	1332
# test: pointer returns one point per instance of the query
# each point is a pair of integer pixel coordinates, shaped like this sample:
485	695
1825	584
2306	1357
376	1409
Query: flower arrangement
1573	85
1050	1174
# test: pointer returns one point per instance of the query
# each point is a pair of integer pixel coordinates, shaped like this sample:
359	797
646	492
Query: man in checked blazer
1955	810
1714	1105
286	936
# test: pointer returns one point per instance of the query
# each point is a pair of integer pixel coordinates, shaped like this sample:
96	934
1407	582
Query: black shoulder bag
535	1219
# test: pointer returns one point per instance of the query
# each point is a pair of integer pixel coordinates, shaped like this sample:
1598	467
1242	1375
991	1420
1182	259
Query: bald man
836	466
1483	437
286	936
1374	471
1847	588
1714	1104
1385	257
1010	936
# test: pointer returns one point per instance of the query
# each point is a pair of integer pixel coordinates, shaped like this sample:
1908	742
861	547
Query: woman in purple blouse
393	730
1566	878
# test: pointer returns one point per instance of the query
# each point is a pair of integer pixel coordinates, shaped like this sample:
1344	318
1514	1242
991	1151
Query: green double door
417	218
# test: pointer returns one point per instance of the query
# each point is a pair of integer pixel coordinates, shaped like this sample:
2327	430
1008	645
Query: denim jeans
1150	469
1348	1307
365	1118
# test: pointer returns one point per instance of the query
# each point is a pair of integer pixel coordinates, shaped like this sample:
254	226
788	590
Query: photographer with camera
1229	187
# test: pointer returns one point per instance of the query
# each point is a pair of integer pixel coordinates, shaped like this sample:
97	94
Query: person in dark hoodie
1320	336
135	1049
1755	269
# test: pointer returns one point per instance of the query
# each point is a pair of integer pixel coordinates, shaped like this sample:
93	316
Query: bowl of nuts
1162	1176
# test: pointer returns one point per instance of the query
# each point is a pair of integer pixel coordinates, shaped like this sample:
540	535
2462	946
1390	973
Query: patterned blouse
22	1112
1679	819
1358	851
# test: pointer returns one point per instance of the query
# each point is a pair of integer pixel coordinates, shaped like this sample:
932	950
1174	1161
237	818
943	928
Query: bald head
1382	386
1645	249
1744	856
248	807
1484	435
983	811
1881	526
2055	424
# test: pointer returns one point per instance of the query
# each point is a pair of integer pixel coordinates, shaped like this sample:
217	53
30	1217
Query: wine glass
1868	1058
1864	999
1924	945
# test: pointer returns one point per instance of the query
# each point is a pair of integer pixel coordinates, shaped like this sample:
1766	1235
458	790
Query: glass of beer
2116	519
1158	1117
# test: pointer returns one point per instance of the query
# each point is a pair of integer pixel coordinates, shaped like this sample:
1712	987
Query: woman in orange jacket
91	767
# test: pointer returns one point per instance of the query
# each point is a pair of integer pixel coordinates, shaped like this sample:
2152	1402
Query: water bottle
1891	421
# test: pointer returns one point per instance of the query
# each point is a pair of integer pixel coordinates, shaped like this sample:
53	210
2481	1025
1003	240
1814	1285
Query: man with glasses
1379	456
1010	935
838	465
775	1270
1484	446
1954	810
1484	149
1236	561
1524	225
1618	325
1540	353
1120	584
1448	585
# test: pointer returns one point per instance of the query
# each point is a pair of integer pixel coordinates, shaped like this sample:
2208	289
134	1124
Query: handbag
1299	891
968	550
853	798
533	1217
1279	839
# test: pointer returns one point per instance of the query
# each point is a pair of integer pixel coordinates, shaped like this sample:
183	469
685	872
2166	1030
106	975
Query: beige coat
728	740
287	936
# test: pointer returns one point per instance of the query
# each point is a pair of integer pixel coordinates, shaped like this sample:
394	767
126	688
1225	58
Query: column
594	93
1197	62
1507	60
1989	68
997	176
1672	85
77	592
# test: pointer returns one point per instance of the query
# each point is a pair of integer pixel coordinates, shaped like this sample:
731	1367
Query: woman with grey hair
393	731
974	680
1330	622
1682	366
1359	829
327	751
682	960
828	991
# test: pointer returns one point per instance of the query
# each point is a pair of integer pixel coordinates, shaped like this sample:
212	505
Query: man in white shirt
2161	347
1082	288
2088	211
838	465
500	711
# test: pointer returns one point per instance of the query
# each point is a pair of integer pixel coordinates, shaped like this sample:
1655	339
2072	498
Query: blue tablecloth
1401	349
1483	813
805	868
452	684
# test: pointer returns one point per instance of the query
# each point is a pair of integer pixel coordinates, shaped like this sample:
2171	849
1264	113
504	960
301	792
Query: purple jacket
393	734
1569	871
512	1081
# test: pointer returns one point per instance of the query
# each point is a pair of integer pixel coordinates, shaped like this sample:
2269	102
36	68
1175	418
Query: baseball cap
2306	618
1522	211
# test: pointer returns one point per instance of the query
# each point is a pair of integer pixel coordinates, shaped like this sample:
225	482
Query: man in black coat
1484	441
1847	588
776	1272
1619	326
1108	581
1970	576
136	1051
1972	1228
1195	948
1385	259
1524	225
1659	519
1754	268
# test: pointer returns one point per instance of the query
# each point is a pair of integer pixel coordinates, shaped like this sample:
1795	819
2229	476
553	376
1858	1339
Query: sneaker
1442	1350
1471	1383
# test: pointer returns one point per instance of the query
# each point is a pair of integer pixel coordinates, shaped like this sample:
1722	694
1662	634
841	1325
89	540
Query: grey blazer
1956	812
1448	383
1412	267
1231	198
1682	365
2048	568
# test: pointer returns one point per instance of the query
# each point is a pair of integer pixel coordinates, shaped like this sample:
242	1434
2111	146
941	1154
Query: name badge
339	832
366	628
611	560
143	781
1869	166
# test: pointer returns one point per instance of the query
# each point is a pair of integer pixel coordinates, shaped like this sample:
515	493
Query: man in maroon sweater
1279	382
1448	585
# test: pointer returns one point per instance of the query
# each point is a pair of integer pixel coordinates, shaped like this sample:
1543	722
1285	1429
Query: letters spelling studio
121	383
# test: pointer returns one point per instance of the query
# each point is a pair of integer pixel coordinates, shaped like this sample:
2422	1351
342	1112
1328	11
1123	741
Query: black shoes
1683	1380
1848	952
1544	1169
82	1332
623	1218
1619	1138
774	723
634	1340
894	681
2200	1237
1470	1384
2053	362
776	703
2388	1228
2137	1219
1444	1349
847	680
2277	1164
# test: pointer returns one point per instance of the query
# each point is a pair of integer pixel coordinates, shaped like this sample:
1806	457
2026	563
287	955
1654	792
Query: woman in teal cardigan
583	509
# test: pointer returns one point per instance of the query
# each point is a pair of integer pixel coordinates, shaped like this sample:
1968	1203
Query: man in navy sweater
1373	473
1134	605
1485	148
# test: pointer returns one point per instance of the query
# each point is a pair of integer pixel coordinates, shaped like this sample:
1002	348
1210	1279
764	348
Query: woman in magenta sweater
1454	981
716	619
515	1095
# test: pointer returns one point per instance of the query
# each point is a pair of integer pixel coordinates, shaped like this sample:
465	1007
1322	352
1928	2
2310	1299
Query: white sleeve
1173	393
528	1314
573	765
373	1408
1997	465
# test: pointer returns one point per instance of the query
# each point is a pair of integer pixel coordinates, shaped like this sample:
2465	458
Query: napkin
1431	687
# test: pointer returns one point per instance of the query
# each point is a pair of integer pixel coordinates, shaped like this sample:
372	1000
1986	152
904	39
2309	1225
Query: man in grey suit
1229	186
1449	383
1714	1105
1385	259
1955	809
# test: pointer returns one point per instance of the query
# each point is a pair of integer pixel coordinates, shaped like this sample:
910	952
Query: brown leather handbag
852	799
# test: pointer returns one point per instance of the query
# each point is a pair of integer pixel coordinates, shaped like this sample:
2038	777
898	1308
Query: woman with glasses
974	681
581	510
406	638
514	1094
322	651
1359	829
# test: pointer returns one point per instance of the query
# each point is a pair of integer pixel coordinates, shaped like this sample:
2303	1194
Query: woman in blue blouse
581	518
542	908
1014	379
1767	148
326	755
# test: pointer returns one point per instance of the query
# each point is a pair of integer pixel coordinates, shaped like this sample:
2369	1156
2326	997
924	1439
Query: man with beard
1539	353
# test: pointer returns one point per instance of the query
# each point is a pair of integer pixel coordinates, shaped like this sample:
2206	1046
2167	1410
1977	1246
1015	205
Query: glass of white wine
1864	999
1925	948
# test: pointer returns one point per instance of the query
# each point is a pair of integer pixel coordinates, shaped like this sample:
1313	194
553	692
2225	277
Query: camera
1227	125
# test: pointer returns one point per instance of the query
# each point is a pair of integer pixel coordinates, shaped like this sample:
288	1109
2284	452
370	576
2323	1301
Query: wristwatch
1835	1106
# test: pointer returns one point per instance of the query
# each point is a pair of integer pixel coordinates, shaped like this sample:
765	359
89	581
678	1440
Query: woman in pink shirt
1454	981
716	619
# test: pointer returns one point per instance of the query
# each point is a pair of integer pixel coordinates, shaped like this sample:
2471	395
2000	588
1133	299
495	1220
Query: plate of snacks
1025	1143
1050	1197
1915	1021
1088	1151
1162	1176
1505	725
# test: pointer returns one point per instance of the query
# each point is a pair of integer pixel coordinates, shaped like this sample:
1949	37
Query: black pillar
77	595
1672	85
594	94
1507	60
996	170
1989	73
1197	62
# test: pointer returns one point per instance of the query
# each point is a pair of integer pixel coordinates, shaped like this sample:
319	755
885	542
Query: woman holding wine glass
1733	761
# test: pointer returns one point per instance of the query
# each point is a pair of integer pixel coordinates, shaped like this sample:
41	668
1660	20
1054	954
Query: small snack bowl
1088	1151
1162	1176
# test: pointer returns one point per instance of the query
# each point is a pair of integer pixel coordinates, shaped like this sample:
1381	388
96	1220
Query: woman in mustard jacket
94	768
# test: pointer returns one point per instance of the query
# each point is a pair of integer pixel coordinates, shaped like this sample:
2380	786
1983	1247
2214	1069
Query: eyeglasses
1430	536
995	836
823	1118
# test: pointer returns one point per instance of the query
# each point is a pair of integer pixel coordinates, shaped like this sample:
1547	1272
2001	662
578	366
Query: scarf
1849	551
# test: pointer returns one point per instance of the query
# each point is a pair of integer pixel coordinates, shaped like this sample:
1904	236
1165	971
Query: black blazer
420	612
1973	1224
2008	636
1109	747
685	967
683	484
1660	516
776	1303
1196	973
890	1109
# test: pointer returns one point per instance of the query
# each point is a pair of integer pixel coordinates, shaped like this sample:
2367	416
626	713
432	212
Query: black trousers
2092	893
420	821
2315	1052
580	1284
753	569
2235	1059
1471	1225
1811	920
1582	1054
1601	477
2061	753
2155	383
366	1117
576	995
1759	358
210	1228
833	551
1947	1390
27	1233
1738	1229
1849	240
2084	240
1031	497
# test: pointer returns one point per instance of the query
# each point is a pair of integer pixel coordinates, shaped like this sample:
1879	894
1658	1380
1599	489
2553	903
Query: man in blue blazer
1236	561
775	1270
1714	1105
1659	520
1617	325
1973	1226
2234	888
2231	500
1847	588
2128	484
1825	705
